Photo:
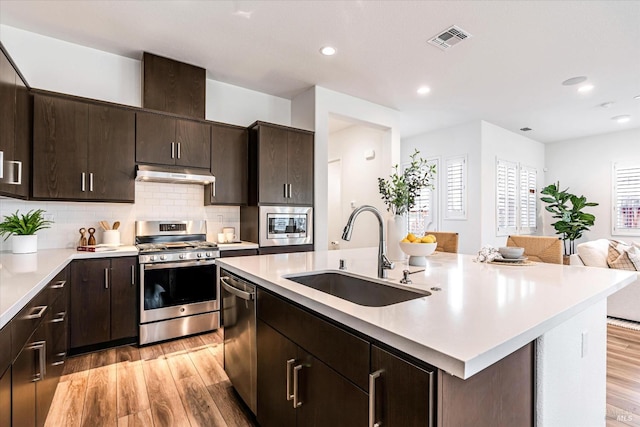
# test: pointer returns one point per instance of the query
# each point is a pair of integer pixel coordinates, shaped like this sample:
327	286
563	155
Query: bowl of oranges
418	247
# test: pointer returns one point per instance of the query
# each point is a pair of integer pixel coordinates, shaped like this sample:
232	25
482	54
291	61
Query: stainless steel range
179	290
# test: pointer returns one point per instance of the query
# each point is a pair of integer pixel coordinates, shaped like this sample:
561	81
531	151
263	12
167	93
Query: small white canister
111	237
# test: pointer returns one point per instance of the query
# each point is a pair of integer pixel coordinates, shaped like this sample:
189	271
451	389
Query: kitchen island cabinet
103	302
82	151
5	398
229	164
280	165
168	140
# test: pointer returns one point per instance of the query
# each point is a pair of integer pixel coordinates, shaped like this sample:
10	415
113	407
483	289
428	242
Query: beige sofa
624	304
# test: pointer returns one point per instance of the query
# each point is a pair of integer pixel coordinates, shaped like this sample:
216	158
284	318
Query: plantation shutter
456	197
626	200
422	216
506	197
528	199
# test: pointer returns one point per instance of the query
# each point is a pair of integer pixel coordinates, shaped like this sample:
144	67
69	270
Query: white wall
359	183
506	145
328	102
585	166
455	141
154	201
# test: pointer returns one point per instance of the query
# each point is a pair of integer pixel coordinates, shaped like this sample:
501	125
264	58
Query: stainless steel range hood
175	175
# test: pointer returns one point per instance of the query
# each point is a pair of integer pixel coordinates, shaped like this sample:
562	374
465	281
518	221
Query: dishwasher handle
248	296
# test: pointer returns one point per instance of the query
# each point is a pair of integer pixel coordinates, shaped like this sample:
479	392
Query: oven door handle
248	296
180	264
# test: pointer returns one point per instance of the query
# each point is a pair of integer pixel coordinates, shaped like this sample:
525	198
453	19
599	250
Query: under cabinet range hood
174	175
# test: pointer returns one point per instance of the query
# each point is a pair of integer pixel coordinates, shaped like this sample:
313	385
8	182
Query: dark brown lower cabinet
27	372
313	394
5	398
103	301
403	392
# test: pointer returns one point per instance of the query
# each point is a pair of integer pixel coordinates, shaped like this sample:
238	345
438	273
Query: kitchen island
481	314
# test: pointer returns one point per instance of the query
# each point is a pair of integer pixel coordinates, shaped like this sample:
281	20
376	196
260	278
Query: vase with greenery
22	225
399	193
568	209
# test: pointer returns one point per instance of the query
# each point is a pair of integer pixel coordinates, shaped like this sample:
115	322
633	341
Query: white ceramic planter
396	231
24	244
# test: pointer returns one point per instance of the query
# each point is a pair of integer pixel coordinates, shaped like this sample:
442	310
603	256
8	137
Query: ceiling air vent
449	37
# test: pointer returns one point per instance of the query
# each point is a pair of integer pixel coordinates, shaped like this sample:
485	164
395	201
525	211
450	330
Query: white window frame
461	185
634	171
429	221
523	198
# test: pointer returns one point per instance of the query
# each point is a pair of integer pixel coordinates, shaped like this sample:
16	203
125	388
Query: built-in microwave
285	225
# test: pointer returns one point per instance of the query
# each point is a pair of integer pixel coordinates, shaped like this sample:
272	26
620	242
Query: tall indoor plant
24	229
399	193
568	209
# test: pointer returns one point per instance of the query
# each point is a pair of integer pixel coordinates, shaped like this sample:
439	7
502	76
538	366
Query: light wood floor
182	383
623	377
174	384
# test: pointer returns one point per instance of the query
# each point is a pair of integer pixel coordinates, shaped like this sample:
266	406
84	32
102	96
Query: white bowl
418	249
511	252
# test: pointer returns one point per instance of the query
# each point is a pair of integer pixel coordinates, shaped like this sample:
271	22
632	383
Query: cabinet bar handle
60	317
106	278
83	185
133	275
372	398
285	191
289	190
10	172
41	348
179	143
91	181
213	188
173	150
290	363
58	285
36	313
296	399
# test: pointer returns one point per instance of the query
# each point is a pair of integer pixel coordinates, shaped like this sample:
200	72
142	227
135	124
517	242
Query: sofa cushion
594	253
619	257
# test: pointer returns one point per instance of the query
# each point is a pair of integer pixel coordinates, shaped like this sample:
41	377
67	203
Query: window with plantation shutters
516	198
456	188
423	216
626	200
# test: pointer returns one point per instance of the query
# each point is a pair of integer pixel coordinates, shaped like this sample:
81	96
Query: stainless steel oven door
178	289
286	225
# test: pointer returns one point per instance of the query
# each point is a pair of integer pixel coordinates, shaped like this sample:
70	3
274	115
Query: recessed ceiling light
636	97
423	90
585	88
525	129
328	50
607	104
621	119
574	81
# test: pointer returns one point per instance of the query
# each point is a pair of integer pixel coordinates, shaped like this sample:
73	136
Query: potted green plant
399	193
24	228
568	209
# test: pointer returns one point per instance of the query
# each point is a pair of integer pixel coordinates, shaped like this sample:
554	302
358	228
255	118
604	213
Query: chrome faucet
383	262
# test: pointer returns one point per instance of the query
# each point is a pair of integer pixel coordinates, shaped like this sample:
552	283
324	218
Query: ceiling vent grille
449	37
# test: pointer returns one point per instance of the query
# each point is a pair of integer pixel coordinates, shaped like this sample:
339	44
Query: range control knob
181	256
208	254
152	258
163	257
199	254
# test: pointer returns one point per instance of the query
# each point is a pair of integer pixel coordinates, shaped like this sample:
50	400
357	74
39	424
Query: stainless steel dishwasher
239	321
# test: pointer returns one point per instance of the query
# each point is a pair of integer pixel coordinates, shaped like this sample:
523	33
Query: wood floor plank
68	403
164	399
151	352
193	342
100	401
178	359
623	377
201	409
207	367
230	405
76	367
128	353
132	389
103	358
139	419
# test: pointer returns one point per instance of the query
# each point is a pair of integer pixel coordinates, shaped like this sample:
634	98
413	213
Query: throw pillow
619	258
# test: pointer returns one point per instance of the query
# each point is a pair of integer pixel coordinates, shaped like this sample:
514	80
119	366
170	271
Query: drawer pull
106	278
41	348
133	275
60	317
36	312
296	400
290	363
372	398
59	284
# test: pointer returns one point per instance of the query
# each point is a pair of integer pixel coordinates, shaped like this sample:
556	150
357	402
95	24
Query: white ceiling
509	73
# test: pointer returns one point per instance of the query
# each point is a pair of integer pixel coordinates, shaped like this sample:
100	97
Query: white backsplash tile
154	201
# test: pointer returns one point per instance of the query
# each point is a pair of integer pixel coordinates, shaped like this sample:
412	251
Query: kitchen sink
357	290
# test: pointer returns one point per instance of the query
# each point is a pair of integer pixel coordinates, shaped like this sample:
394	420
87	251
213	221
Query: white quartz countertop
482	313
237	246
23	276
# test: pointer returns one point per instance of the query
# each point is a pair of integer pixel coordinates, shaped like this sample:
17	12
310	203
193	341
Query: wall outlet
49	217
585	343
220	218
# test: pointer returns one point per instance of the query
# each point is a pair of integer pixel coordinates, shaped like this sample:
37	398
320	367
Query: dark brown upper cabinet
173	87
168	140
82	151
229	160
15	130
280	165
